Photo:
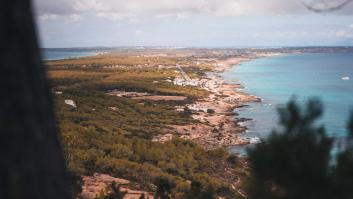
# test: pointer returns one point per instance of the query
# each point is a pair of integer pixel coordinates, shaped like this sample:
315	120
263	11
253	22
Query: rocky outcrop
92	186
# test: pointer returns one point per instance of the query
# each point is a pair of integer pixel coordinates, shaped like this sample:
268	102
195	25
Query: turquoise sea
66	53
328	76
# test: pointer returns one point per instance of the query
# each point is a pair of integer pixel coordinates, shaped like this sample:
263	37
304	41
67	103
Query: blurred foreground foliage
296	162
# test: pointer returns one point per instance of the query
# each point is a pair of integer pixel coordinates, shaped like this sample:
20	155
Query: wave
253	140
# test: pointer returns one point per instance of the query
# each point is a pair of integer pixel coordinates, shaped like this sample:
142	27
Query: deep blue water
277	79
66	53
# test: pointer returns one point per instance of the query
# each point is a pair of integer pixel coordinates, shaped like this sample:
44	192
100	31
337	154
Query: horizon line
201	47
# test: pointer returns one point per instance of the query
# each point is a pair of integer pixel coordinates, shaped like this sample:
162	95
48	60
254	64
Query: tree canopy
296	162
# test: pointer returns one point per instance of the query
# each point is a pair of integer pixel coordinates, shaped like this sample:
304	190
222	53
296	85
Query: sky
192	23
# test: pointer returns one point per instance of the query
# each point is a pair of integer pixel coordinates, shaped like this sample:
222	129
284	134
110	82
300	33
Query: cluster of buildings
207	84
183	82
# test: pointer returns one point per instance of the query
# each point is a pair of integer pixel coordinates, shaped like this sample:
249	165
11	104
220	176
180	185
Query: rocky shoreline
216	123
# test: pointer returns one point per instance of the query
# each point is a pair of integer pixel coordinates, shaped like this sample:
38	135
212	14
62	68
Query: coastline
61	54
217	124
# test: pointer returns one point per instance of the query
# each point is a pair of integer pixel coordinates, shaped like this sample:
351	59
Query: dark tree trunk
31	162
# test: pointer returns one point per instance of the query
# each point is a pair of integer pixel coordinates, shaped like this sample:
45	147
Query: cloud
53	17
342	34
351	26
48	17
179	9
54	7
75	18
115	15
138	32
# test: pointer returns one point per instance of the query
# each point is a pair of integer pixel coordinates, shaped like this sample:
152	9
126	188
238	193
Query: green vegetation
142	161
129	60
296	163
112	135
99	112
113	60
142	80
